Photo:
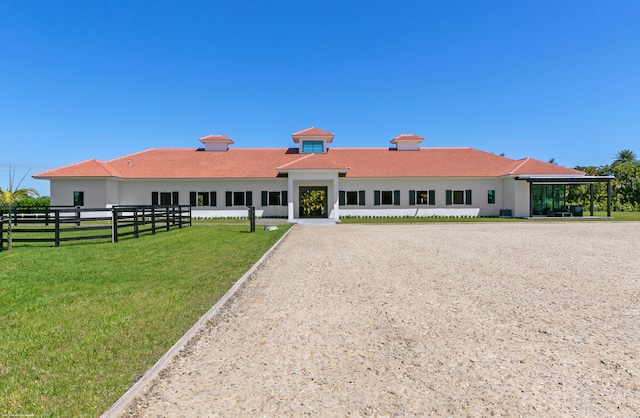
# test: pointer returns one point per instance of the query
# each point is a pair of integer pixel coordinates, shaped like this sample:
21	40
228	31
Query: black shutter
155	200
376	197
396	197
468	197
213	196
265	198
249	198
193	198
432	197
342	201
174	198
361	194
229	199
284	198
449	197
412	197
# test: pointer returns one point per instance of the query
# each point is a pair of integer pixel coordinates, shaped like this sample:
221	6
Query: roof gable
313	161
532	166
89	168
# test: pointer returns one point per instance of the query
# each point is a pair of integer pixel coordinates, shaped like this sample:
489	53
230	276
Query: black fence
62	224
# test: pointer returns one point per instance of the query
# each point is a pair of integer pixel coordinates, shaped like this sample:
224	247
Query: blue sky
102	79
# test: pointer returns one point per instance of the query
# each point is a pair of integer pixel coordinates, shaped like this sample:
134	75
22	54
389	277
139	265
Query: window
312	146
422	197
202	198
491	197
352	198
239	199
458	197
78	198
274	198
386	197
164	198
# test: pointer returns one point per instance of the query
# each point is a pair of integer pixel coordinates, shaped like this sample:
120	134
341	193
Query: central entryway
313	202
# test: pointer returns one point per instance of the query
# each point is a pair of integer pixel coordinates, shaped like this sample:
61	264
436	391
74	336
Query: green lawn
617	216
80	323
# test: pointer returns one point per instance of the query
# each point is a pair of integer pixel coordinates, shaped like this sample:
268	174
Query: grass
79	324
617	216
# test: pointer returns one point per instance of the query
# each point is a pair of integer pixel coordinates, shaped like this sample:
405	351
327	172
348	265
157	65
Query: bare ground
508	319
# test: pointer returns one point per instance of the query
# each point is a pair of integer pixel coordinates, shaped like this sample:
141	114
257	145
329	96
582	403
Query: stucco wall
508	194
96	192
479	188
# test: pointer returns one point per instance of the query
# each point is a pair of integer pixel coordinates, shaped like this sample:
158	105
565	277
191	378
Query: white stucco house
313	179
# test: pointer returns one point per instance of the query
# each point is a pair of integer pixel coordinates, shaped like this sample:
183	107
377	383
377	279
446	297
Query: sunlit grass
80	323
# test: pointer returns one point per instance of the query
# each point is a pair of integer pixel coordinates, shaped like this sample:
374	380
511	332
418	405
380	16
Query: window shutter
412	197
432	197
342	200
376	197
213	196
449	197
193	198
468	197
229	199
249	198
265	199
361	194
396	197
154	199
284	198
174	198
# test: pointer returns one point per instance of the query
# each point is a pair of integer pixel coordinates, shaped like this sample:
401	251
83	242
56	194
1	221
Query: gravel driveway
454	319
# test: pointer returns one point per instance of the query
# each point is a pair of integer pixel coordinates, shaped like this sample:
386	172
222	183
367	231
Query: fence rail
62	224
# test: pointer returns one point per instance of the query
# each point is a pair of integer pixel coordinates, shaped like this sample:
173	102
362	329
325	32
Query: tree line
625	187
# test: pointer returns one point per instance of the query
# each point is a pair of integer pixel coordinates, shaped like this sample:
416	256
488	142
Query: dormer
312	140
216	142
407	142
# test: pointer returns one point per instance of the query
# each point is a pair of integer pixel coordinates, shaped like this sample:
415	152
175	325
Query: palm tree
11	196
625	156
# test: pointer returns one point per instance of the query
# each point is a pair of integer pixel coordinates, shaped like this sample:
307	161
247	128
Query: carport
534	198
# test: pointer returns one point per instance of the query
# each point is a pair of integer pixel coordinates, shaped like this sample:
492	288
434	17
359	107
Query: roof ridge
523	161
304	157
68	165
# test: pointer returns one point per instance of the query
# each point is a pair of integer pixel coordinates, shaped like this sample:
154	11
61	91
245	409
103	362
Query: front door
313	202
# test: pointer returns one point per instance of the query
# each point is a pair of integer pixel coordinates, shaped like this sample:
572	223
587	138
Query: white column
290	198
336	198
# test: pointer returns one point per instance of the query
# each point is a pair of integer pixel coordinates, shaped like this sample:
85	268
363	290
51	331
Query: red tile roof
216	138
312	132
407	137
190	163
313	162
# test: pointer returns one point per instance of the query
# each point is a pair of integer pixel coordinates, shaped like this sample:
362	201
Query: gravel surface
456	319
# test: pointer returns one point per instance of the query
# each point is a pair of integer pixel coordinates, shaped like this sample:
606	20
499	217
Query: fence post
179	217
57	231
153	221
168	224
114	224
1	230
135	222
